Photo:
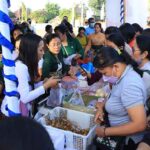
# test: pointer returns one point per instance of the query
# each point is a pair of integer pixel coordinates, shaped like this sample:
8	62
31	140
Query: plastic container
83	120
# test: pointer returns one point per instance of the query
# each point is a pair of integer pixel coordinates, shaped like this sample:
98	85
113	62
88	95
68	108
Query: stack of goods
64	124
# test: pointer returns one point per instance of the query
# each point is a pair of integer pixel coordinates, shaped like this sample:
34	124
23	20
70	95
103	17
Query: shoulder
20	64
132	80
20	68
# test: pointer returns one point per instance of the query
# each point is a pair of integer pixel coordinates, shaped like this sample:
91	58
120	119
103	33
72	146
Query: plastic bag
76	98
55	97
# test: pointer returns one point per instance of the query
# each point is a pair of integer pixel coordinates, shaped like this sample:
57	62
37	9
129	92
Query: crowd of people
121	57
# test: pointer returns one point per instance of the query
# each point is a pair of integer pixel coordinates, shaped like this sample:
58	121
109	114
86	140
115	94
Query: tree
65	12
52	9
24	12
40	16
96	6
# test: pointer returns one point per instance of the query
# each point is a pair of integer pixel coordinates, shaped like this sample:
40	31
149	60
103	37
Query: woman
30	52
116	34
71	47
141	54
128	32
53	58
96	40
82	37
116	41
125	105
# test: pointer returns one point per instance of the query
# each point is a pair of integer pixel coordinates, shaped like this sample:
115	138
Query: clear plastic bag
76	98
55	97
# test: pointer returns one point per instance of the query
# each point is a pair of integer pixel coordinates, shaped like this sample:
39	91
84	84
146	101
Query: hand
73	70
99	117
87	74
99	105
100	131
45	79
51	82
77	56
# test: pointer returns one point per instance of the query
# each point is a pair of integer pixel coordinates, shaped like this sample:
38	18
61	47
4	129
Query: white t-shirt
27	94
40	63
146	77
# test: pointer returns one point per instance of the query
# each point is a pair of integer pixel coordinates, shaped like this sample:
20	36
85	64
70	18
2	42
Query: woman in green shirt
53	58
70	46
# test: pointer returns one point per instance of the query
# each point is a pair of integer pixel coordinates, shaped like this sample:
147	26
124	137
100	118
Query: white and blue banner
11	94
133	11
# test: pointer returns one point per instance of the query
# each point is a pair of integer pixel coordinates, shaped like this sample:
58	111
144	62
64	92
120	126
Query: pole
11	94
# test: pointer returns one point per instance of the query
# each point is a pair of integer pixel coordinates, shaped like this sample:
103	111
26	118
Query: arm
132	99
26	95
137	123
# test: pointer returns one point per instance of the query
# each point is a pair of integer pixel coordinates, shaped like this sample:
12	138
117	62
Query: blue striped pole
11	94
122	11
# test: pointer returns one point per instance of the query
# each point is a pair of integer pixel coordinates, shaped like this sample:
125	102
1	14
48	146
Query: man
90	30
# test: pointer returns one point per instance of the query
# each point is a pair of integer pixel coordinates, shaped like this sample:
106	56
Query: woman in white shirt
141	54
30	52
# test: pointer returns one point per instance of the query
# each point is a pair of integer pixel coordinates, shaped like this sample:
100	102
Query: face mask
92	25
111	79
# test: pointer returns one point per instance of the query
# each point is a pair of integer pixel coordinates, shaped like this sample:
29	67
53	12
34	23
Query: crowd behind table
121	58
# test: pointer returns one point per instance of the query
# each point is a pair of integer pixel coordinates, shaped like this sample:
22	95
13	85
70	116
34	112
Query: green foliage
24	12
52	9
43	16
65	12
96	5
40	16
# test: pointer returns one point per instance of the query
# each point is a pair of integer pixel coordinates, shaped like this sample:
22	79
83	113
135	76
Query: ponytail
108	56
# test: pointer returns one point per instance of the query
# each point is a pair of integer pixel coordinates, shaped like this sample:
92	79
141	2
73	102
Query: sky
39	4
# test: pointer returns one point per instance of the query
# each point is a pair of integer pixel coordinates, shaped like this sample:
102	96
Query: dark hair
117	39
20	133
146	32
16	27
90	19
137	27
81	28
25	27
61	28
50	37
28	53
112	29
64	30
127	31
108	56
19	37
100	26
48	27
143	42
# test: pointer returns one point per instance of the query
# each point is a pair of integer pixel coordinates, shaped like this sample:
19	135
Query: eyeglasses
55	44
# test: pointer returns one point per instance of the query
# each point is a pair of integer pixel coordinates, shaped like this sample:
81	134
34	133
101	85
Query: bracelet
104	131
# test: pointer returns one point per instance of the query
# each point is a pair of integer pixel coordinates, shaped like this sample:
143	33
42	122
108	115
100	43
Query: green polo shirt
73	47
50	64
